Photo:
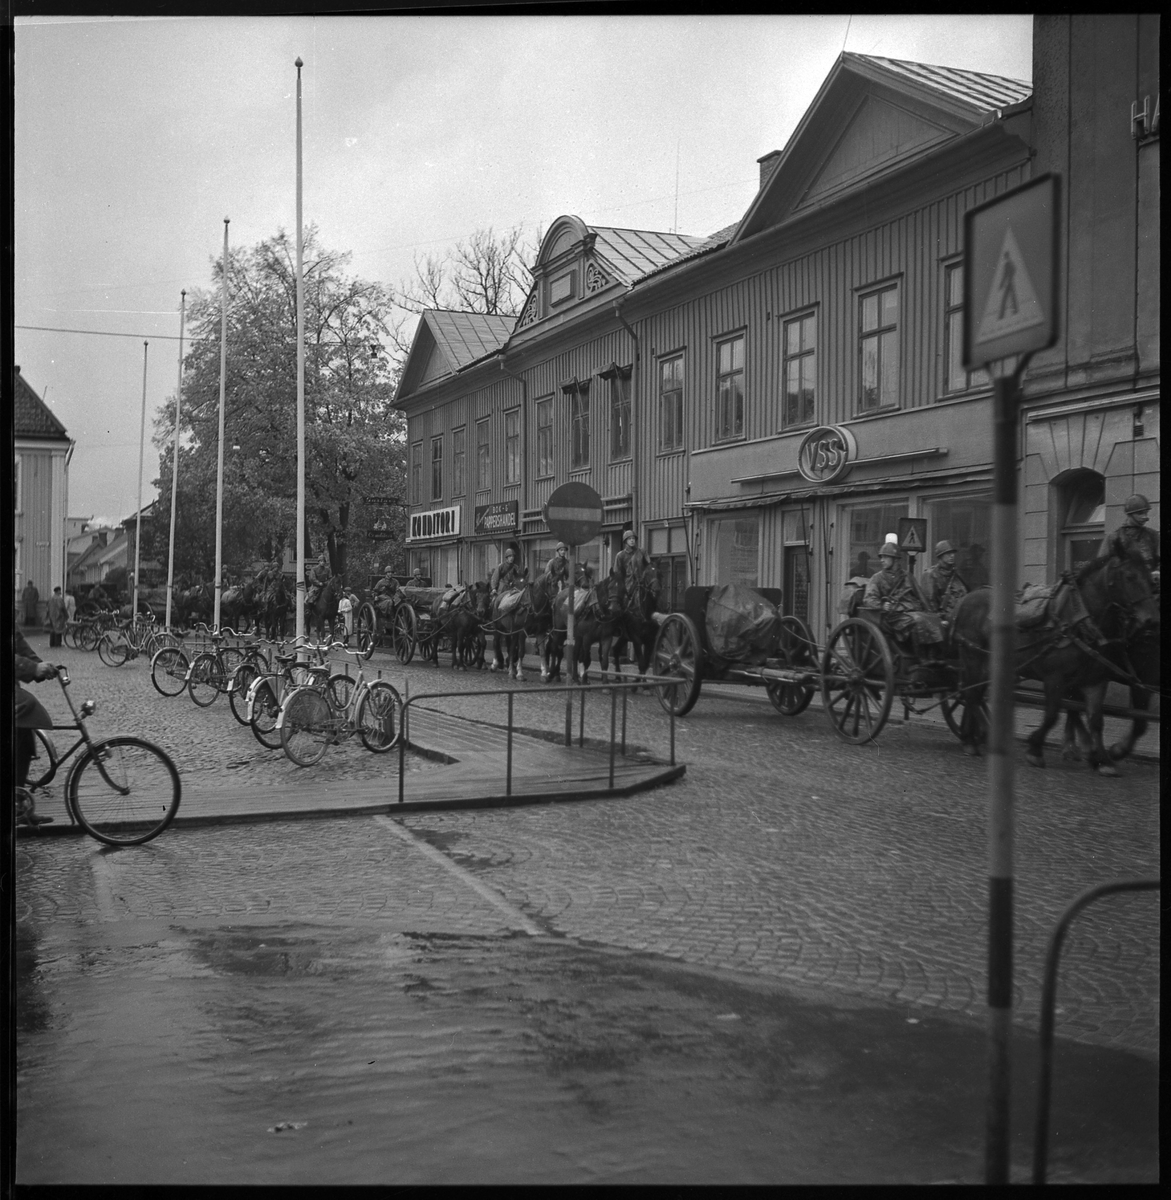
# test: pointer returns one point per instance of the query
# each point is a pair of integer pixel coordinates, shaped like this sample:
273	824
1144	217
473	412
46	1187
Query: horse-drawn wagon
860	672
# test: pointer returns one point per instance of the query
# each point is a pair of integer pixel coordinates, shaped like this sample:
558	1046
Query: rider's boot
26	813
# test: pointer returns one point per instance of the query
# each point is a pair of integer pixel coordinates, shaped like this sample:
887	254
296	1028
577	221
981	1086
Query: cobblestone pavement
783	853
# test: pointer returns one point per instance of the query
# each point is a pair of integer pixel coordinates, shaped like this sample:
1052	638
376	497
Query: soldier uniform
943	588
631	562
386	593
317	581
558	566
891	591
1134	535
507	574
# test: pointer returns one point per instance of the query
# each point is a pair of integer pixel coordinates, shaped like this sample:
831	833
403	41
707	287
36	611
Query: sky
136	137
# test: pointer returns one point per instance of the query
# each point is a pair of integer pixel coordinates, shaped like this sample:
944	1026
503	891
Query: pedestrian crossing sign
912	534
1010	274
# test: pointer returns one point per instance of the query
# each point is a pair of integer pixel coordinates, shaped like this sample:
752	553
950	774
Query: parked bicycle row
287	693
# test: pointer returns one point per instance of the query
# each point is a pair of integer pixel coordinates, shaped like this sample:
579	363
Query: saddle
1054	604
507	601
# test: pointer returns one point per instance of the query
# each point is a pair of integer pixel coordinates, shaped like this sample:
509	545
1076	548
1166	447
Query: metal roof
982	92
465	337
31	417
634	253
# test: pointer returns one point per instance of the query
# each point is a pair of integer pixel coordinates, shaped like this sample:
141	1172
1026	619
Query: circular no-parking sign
574	513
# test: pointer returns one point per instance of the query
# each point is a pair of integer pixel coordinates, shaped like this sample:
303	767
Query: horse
531	615
275	609
455	620
240	603
196	603
636	624
1117	597
322	613
467	640
594	624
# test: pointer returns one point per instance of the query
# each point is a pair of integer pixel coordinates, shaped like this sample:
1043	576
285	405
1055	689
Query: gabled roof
873	116
634	253
31	417
446	341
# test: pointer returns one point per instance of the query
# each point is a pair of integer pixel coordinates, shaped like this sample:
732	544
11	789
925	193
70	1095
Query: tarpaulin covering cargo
742	626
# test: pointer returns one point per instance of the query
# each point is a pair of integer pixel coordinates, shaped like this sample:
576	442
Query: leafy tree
354	439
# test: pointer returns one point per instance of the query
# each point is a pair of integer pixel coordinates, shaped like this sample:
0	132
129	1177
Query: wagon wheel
677	652
857	680
953	706
799	650
366	628
402	633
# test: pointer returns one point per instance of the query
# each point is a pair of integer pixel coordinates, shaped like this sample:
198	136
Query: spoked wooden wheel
402	633
955	705
677	652
366	629
799	651
857	681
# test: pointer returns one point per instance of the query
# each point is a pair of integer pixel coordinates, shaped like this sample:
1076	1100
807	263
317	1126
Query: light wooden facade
830	306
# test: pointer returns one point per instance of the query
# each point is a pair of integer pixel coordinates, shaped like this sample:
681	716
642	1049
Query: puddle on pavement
288	1054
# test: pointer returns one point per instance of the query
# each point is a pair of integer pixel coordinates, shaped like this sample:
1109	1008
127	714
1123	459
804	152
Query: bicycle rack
1049	1000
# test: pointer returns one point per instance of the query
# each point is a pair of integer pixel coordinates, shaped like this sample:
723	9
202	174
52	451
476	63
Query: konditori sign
435	523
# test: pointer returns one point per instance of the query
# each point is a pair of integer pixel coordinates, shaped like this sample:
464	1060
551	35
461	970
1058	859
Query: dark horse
1084	656
240	604
322	614
531	615
276	606
461	623
594	622
636	625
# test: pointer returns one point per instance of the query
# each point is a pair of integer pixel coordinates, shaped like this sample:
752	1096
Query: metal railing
613	688
1049	1001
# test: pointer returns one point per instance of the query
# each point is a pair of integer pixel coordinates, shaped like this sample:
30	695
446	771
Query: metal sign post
574	515
1010	310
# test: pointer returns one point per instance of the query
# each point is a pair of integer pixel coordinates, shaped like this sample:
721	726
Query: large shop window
417	473
966	522
800	370
1082	501
458	452
668	552
545	436
869	524
734	550
730	388
437	468
671	403
878	343
483	454
957	377
512	446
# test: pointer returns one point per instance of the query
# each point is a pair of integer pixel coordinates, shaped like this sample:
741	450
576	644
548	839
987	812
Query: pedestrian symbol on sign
1012	303
912	534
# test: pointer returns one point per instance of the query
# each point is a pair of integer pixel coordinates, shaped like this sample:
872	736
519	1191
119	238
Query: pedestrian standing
58	615
70	607
31	597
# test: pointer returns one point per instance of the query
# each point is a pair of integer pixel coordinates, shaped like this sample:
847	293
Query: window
730	388
417	473
458	438
800	370
956	378
879	348
437	468
734	553
1082	503
512	446
869	524
966	522
579	423
668	553
483	455
619	380
545	436
671	403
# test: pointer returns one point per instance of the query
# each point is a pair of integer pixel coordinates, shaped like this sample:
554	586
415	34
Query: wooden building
764	404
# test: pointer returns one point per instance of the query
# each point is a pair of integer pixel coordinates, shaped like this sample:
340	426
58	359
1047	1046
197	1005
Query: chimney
768	164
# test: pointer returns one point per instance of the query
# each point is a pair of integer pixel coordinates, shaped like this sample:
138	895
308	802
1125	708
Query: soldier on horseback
507	574
892	592
631	563
943	588
316	581
1134	534
557	567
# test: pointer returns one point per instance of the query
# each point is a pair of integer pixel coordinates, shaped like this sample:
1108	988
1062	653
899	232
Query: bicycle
268	690
129	639
213	670
311	719
123	791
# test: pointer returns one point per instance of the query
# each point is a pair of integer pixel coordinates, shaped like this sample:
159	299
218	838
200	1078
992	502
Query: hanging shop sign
435	523
827	453
500	517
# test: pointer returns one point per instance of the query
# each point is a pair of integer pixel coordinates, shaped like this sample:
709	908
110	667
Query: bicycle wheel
203	687
262	715
71	636
124	791
340	690
229	659
307	727
243	678
168	671
113	649
87	636
378	717
44	764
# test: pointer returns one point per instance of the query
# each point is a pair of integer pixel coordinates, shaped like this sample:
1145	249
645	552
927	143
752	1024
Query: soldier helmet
563	546
510	552
889	550
629	536
1137	503
944	547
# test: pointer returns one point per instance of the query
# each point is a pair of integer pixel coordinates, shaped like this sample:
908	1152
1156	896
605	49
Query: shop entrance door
795	602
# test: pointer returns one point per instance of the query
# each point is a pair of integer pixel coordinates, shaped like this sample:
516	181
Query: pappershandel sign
500	517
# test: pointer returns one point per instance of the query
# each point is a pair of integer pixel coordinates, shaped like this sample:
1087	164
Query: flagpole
138	515
300	610
219	479
175	459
